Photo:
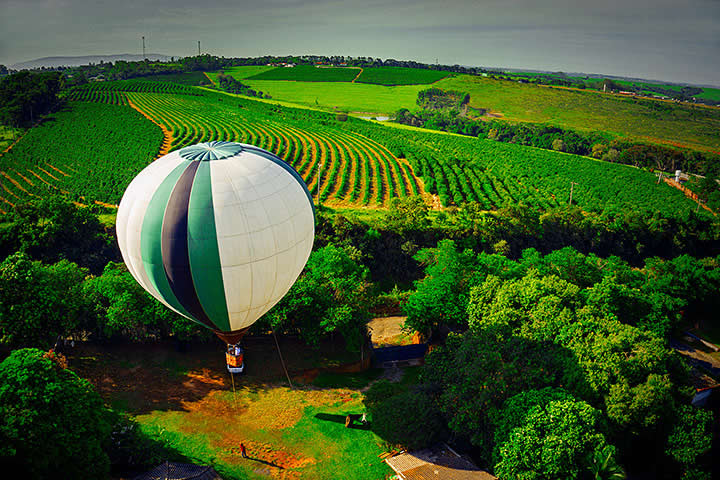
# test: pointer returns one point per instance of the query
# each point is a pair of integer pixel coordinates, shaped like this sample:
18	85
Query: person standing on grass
242	450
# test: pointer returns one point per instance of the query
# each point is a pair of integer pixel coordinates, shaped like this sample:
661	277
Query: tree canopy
52	423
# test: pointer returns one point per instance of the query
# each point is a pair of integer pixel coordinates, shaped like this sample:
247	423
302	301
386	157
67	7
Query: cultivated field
350	163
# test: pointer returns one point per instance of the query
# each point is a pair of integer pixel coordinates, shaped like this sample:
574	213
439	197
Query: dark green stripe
151	238
205	264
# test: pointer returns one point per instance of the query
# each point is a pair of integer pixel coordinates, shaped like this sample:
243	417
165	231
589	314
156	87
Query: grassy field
647	120
308	73
188	403
342	96
400	76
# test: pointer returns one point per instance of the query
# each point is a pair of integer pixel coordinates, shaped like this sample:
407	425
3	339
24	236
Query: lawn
642	119
341	96
189	403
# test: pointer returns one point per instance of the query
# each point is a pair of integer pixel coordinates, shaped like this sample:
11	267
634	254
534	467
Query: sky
669	40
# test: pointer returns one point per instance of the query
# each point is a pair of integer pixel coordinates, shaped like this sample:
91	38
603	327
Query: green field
400	76
341	96
308	73
641	119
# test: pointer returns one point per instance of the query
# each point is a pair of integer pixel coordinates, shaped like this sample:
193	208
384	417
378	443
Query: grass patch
400	76
643	119
308	73
309	442
342	96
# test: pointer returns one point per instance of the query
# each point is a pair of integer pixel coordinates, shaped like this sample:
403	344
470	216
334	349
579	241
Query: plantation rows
346	168
89	152
168	88
461	169
350	163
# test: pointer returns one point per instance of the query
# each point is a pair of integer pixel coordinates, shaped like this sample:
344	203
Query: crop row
169	88
342	167
91	150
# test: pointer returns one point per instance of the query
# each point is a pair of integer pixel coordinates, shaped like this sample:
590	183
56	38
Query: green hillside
643	119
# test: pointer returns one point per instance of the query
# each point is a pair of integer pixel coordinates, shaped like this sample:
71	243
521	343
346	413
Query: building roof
437	463
180	471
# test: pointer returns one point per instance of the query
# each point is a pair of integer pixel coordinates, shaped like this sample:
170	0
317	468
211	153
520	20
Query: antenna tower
143	39
198	47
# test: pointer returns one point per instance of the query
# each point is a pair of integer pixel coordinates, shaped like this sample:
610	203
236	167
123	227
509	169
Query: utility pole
143	39
572	184
198	48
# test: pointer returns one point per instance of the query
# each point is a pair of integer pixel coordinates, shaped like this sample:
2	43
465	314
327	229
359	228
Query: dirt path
357	76
167	134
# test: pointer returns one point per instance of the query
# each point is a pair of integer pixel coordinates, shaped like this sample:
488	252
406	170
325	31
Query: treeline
564	346
53	242
232	85
26	96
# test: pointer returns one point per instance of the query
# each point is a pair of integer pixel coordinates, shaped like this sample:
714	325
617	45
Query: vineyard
351	163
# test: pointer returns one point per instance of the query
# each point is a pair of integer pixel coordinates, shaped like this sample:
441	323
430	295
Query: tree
559	145
121	307
52	229
52	423
407	214
473	375
39	302
441	297
26	96
553	443
331	295
690	441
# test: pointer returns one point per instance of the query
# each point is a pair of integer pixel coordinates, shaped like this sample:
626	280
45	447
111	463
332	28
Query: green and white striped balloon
217	231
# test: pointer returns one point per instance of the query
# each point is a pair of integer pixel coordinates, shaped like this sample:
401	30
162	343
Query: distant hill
85	60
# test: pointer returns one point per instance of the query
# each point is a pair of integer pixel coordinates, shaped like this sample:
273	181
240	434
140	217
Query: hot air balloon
218	232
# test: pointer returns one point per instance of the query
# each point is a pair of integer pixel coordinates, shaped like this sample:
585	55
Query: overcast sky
672	40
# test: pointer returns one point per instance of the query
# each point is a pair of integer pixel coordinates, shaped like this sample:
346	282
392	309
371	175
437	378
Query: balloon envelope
217	231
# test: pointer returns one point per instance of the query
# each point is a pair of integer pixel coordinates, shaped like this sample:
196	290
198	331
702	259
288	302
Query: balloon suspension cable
281	359
232	378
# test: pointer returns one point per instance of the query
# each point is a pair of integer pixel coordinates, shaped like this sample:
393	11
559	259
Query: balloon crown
214	150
